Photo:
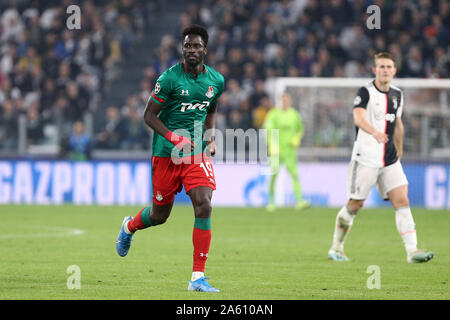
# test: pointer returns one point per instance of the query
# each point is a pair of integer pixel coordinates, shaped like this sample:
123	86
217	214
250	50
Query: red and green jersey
185	101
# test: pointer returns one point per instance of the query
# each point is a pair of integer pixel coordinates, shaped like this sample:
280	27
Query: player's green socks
297	189
292	169
407	228
344	222
201	239
273	178
140	221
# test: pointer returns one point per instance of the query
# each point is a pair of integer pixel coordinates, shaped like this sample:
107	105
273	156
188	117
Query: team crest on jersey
159	196
210	92
394	102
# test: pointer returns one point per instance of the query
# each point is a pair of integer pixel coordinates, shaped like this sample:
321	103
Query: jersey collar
379	89
189	73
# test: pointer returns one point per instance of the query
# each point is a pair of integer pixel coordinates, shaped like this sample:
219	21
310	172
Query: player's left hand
211	147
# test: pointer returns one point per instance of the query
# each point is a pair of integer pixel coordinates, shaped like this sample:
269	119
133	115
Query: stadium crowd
52	75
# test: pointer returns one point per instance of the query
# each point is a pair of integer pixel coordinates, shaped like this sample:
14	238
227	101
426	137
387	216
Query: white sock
407	228
125	228
197	275
344	221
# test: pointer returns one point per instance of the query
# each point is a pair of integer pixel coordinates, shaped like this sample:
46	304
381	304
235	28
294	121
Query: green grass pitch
254	255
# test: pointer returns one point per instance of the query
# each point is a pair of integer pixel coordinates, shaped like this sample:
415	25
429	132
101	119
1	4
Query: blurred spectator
150	76
163	61
415	65
8	127
439	67
258	93
136	135
78	101
124	34
245	111
48	95
235	120
145	92
110	135
66	46
62	72
79	143
35	126
132	103
327	135
303	62
236	94
60	117
260	112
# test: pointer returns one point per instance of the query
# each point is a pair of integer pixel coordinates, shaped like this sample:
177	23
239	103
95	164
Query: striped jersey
185	101
382	110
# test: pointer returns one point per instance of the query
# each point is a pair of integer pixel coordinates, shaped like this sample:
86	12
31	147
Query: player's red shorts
169	177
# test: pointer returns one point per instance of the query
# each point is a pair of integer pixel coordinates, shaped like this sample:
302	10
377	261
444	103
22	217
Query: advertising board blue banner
129	183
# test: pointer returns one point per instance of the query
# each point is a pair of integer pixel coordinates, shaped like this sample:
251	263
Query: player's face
384	70
286	101
194	49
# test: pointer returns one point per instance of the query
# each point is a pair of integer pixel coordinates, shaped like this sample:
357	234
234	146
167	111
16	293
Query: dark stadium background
103	73
96	80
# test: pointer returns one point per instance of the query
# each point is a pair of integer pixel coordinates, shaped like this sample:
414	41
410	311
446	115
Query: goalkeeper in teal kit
290	128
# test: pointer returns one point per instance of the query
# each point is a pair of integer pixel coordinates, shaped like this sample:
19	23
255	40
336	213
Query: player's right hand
179	141
381	137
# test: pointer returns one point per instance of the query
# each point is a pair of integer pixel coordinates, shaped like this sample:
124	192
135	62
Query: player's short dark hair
383	55
196	29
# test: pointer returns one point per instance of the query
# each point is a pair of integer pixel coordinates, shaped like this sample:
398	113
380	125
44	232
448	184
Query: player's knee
158	217
203	207
400	202
399	197
355	205
157	220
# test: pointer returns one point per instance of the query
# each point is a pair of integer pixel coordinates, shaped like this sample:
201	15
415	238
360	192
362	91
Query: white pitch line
60	232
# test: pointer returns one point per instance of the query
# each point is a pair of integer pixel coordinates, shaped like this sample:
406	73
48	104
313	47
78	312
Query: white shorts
361	179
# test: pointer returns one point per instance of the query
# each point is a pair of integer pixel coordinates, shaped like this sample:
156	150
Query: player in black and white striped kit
376	155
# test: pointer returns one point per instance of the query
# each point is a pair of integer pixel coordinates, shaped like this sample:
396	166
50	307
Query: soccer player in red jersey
182	104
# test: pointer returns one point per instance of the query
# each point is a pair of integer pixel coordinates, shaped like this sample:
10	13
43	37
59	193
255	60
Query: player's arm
272	144
210	120
151	112
398	137
399	130
299	131
359	116
210	126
